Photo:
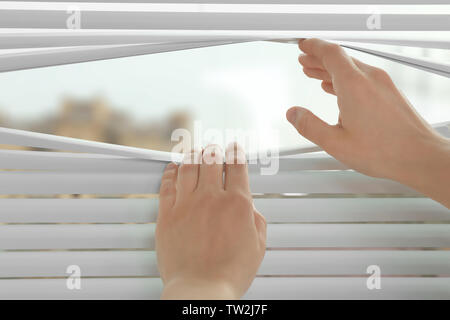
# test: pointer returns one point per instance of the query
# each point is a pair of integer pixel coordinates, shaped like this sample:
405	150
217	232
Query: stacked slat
326	226
47	33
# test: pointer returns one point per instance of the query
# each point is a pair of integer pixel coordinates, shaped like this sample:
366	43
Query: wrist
198	289
429	173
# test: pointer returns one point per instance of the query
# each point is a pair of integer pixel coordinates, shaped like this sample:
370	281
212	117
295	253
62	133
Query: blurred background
139	101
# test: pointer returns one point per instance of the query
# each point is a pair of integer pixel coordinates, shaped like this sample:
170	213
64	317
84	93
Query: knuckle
192	157
355	77
380	75
166	188
208	195
331	51
235	154
263	219
334	48
358	81
241	199
212	154
169	175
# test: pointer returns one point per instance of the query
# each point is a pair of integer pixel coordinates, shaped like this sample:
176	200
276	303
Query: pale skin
378	131
210	240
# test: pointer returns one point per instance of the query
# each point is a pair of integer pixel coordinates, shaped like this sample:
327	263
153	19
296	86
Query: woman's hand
210	240
378	131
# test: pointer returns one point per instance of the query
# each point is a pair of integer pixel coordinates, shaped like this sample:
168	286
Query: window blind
326	225
45	33
95	205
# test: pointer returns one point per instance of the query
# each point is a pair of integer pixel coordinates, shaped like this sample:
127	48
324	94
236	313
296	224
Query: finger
314	129
236	172
188	173
332	56
317	74
211	168
167	190
328	87
309	61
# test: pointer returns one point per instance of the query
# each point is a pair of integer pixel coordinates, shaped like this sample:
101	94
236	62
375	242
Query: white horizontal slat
262	288
343	262
13	159
97	236
76	162
407	43
78	210
76	236
262	1
107	157
43	38
48	141
42	58
130	6
348	288
52	57
290	210
92	263
325	182
73	37
89	38
286	210
42	140
82	162
15	182
124	289
292	263
429	66
358	235
64	183
141	20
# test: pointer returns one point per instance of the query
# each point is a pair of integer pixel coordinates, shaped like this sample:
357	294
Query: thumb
313	128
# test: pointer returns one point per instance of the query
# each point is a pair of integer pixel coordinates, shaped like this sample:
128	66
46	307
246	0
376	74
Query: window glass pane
139	101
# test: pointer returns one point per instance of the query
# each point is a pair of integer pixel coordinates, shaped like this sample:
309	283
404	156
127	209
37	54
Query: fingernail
291	115
235	154
171	166
212	155
300	42
294	114
191	157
